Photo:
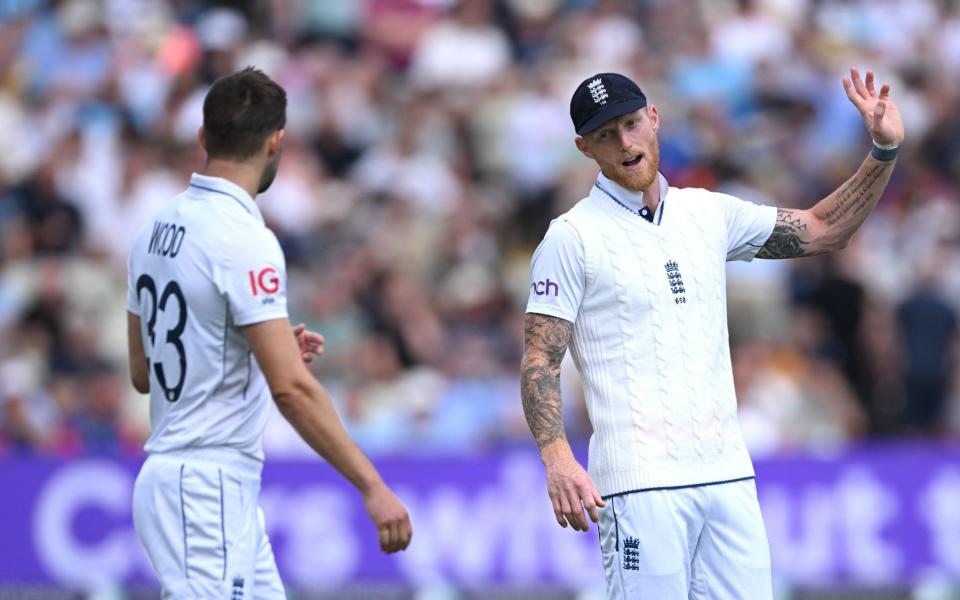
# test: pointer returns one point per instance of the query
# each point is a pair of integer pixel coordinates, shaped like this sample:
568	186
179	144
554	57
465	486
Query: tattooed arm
545	342
570	488
830	224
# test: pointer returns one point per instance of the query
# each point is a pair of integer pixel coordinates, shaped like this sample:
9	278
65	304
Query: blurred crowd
429	145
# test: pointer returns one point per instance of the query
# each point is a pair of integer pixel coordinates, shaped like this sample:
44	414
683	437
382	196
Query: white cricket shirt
203	267
648	303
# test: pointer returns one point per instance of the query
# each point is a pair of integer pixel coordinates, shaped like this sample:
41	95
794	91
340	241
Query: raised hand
879	112
310	343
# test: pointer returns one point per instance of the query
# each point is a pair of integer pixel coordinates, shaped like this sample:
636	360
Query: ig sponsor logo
265	281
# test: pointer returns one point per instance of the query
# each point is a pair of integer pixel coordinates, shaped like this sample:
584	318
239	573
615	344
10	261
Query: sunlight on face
626	149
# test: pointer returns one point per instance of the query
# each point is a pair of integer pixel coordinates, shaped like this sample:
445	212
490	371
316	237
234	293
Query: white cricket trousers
203	531
698	543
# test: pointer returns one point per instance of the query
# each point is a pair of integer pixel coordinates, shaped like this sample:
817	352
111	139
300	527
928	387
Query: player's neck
242	174
649	197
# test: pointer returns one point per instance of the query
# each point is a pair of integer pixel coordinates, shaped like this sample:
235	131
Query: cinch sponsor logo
266	281
543	288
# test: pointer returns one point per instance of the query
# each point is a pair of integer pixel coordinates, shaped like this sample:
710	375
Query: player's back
203	266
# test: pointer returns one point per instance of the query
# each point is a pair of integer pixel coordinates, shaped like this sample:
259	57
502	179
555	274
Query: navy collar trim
640	213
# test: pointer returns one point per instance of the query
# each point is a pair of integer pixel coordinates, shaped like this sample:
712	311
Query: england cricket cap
603	97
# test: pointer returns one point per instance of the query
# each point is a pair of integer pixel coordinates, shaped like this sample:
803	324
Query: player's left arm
139	368
830	224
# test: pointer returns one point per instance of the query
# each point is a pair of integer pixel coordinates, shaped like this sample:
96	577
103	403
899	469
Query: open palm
879	112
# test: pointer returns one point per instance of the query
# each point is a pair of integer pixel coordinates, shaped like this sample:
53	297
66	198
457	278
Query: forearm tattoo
840	215
787	240
545	342
857	195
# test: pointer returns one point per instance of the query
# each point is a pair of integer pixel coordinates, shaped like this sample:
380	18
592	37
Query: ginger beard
626	149
630	173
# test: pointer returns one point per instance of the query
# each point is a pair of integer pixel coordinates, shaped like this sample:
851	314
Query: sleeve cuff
550	311
751	250
259	316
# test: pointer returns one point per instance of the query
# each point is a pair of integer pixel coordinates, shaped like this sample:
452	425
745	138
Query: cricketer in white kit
632	281
211	341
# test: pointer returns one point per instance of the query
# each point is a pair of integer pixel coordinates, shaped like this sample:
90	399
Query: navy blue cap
603	97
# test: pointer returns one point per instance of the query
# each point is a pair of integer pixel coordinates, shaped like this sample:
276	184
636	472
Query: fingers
863	95
591	505
383	538
558	511
395	535
406	533
566	511
301	338
575	514
598	499
574	500
858	83
578	512
852	95
387	535
570	509
315	342
594	502
390	517
311	343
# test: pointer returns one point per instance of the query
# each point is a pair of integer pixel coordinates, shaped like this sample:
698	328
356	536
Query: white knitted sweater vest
650	342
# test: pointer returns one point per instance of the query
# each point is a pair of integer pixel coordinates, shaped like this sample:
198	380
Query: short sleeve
133	303
252	274
557	273
748	225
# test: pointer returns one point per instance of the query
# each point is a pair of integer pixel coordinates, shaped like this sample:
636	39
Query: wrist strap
884	152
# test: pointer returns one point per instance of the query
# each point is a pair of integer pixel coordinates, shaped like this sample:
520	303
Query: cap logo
598	92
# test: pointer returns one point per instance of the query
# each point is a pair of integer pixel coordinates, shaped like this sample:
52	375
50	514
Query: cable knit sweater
650	331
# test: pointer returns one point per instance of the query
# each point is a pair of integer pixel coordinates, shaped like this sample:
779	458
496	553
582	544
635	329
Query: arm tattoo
858	194
786	240
545	341
837	217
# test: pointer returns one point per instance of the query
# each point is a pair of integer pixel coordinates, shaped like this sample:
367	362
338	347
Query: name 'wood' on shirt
166	239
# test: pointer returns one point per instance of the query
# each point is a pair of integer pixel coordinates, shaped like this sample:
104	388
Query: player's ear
202	138
584	147
275	142
654	117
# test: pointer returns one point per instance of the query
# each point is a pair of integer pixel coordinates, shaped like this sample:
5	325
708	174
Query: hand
879	113
310	343
571	491
391	518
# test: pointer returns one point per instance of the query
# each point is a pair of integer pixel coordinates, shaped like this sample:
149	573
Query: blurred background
428	147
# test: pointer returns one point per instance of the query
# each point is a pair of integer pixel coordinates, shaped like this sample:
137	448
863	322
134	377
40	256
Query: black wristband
884	155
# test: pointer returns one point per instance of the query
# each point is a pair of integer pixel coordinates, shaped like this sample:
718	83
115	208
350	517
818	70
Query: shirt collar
228	189
631	200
